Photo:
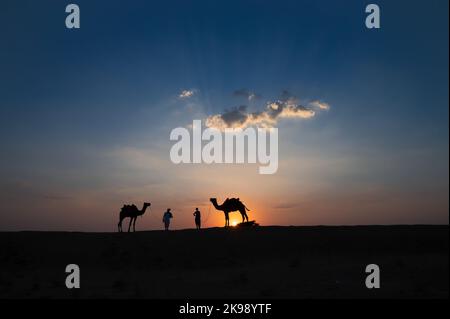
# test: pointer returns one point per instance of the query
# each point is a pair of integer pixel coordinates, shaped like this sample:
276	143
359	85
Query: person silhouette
166	219
198	218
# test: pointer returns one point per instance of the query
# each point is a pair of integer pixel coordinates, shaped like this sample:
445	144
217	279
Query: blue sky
86	114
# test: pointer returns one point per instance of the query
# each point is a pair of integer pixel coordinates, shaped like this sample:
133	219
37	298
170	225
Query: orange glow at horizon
215	218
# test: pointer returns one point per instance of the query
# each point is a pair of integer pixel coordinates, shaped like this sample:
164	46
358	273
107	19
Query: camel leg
243	214
134	224
227	220
119	226
129	225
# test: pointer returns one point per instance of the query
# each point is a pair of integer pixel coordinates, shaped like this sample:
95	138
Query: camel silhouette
231	205
132	212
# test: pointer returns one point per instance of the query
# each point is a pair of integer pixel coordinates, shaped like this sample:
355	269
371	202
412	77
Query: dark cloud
247	94
286	95
236	115
286	107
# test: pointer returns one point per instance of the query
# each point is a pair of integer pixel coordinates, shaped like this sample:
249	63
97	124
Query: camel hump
233	201
128	207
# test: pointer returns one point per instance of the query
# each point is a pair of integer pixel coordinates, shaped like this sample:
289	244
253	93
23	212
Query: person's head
168	209
196	208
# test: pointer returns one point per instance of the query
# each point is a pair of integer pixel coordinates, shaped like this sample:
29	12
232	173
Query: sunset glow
362	135
234	158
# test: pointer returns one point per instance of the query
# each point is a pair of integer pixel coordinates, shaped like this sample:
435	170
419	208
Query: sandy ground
259	262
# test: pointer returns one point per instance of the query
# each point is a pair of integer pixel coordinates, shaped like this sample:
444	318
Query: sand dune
260	262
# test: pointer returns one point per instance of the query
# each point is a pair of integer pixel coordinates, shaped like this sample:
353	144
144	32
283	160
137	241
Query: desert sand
258	262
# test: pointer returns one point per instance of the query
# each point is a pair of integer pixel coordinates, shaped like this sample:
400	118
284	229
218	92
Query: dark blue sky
71	100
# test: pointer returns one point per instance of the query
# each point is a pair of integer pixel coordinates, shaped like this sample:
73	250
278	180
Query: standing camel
132	212
231	205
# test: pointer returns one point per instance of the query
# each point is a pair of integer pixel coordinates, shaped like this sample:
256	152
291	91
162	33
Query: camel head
214	202
144	208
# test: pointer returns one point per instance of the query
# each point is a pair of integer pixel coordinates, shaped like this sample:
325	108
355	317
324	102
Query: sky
86	114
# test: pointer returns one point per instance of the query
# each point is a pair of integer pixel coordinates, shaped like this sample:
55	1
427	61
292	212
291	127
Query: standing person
198	218
166	219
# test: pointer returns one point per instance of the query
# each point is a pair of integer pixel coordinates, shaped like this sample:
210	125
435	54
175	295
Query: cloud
285	206
57	197
185	94
320	105
12	190
287	107
246	94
